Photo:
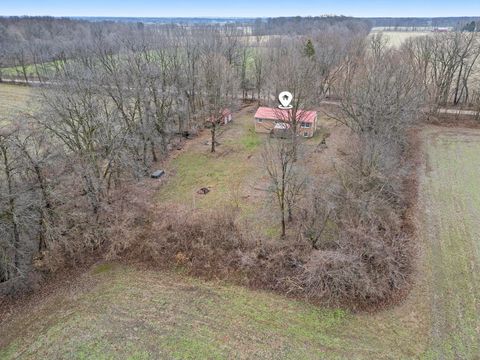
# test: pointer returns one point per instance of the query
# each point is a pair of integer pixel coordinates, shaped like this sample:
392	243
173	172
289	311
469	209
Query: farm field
451	203
17	71
15	99
397	38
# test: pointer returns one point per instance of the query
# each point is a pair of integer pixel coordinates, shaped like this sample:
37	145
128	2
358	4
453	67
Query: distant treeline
166	20
453	22
35	46
34	40
301	25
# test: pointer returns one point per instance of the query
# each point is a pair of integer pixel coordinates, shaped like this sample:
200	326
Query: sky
241	8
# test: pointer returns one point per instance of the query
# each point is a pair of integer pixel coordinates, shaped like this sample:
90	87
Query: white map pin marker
285	99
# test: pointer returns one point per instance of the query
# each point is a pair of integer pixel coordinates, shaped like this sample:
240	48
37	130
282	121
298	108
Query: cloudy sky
240	8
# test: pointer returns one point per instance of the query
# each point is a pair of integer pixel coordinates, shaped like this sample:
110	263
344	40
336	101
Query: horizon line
242	17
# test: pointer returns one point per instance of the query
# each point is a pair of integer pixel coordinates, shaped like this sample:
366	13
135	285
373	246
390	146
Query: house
270	120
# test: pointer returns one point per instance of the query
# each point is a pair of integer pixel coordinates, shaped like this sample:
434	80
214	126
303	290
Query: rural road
440	111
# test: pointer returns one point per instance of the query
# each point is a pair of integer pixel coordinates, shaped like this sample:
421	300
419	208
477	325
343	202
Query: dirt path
450	202
449	111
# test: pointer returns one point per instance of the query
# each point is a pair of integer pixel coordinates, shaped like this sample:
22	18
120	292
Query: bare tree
286	181
380	100
10	227
446	63
220	86
259	71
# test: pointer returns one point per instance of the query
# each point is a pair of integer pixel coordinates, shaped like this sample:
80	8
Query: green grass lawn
126	313
236	158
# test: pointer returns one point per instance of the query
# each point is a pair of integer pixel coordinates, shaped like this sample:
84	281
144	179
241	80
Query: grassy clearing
135	314
15	99
223	172
451	190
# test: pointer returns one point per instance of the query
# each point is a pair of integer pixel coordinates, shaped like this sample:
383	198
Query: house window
259	120
305	125
305	134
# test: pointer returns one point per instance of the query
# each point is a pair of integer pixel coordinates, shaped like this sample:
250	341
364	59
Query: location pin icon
285	99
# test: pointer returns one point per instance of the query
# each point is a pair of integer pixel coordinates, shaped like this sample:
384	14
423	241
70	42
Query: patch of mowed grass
200	345
251	140
143	314
9	352
452	202
221	171
244	137
103	268
192	171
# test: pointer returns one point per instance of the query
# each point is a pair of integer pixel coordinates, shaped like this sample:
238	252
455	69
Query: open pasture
397	38
15	100
450	200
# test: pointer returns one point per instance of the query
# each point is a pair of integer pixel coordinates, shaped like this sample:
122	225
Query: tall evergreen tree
309	49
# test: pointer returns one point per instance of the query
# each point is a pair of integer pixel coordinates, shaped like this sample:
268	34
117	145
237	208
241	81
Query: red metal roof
285	115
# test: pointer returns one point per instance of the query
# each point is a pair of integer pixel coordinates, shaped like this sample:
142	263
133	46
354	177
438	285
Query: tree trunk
283	221
213	131
12	210
46	209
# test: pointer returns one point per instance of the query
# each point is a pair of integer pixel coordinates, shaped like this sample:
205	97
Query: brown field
397	38
15	100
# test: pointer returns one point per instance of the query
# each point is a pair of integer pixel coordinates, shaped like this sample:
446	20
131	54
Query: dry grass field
451	204
397	38
15	100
